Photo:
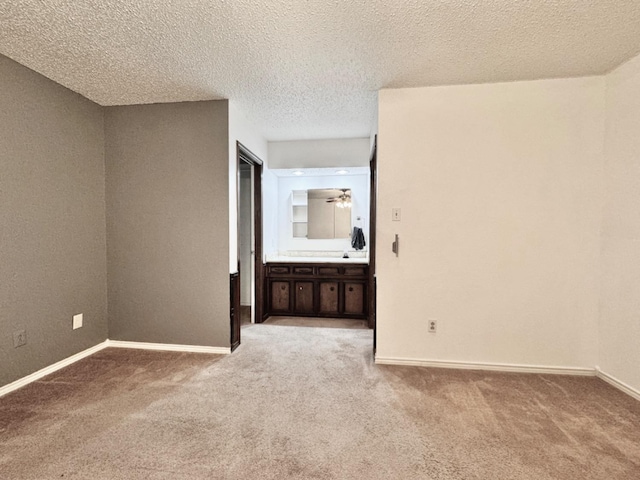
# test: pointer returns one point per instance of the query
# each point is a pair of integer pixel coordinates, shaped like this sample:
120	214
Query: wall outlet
19	338
395	214
77	321
433	326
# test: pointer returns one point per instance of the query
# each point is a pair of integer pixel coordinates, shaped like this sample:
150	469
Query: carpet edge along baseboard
513	368
620	385
494	367
169	347
43	372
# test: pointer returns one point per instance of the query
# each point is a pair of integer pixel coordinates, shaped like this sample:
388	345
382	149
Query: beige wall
501	196
620	276
52	221
167	223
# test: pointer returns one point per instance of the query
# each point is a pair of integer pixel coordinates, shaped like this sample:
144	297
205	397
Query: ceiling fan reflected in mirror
343	200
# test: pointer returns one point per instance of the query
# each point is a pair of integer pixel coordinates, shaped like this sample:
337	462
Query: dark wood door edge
373	197
234	316
243	154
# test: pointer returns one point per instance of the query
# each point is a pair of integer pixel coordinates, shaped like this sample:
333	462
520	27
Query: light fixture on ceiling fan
343	200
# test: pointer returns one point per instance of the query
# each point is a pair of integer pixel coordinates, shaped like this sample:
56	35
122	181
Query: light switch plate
395	214
77	321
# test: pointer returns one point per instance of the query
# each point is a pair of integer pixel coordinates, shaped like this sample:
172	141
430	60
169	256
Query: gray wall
168	222
52	221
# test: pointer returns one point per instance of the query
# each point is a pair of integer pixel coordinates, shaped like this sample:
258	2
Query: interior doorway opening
247	296
323	274
246	241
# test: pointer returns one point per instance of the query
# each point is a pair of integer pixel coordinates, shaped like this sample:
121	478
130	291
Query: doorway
248	293
246	264
373	199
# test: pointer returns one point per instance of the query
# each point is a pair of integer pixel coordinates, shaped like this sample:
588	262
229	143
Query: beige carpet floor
308	403
317	322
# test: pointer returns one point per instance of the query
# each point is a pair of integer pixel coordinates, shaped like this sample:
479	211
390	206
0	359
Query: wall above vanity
335	152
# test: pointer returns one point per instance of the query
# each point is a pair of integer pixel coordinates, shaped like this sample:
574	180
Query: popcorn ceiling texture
309	69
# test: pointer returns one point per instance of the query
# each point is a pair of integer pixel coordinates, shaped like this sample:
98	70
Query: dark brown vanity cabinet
322	290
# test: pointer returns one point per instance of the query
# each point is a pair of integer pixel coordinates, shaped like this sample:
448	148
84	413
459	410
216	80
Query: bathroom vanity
308	276
336	289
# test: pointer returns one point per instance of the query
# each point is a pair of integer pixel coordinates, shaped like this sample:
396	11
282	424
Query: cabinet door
304	297
329	298
280	296
354	298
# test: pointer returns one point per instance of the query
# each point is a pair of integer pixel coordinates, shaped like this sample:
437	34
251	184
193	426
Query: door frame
243	154
373	197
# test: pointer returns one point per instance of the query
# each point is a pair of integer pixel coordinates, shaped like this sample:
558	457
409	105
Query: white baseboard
494	367
629	390
21	382
169	347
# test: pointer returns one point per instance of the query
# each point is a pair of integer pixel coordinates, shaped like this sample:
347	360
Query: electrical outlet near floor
19	338
433	326
77	320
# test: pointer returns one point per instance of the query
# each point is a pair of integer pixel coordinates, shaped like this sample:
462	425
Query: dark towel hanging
357	238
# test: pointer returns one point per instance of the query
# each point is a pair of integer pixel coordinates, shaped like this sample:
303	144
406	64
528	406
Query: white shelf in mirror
299	213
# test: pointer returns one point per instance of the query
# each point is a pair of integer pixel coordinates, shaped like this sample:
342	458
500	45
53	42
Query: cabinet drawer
355	271
303	270
279	269
328	270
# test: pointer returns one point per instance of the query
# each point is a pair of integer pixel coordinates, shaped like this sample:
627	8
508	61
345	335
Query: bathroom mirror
329	213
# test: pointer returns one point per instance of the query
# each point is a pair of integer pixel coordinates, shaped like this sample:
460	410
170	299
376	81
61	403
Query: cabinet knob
351	289
332	289
282	287
300	288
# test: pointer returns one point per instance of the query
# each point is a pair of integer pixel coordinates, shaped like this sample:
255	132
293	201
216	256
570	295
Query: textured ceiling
309	68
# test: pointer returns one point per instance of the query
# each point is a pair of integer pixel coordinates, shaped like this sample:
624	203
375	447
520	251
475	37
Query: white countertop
287	259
